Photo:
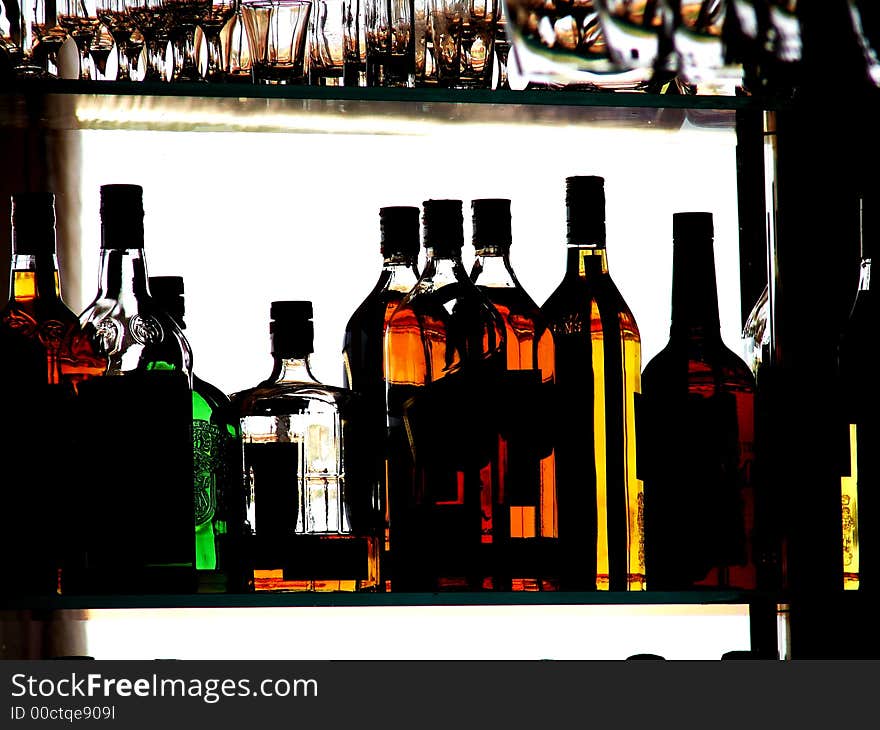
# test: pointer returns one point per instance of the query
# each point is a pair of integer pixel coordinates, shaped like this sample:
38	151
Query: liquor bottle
526	468
696	434
362	348
858	406
756	333
33	324
315	524
444	353
135	518
217	502
598	366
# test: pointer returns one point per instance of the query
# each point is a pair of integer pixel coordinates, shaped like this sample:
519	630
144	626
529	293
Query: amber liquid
526	459
598	365
443	361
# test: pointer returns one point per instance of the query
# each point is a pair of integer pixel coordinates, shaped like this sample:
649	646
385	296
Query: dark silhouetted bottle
363	343
444	354
134	514
217	500
696	434
315	524
525	467
598	367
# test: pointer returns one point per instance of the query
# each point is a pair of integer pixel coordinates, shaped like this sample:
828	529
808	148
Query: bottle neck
586	260
492	268
34	276
399	272
444	266
694	291
123	271
292	369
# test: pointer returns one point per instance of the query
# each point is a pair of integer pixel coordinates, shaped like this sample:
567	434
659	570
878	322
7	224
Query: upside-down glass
115	17
326	43
463	34
48	35
219	13
184	17
277	32
601	44
390	43
152	20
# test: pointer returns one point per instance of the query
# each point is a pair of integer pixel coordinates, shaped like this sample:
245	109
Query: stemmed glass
47	36
99	50
502	46
18	40
151	18
80	19
114	15
185	16
219	13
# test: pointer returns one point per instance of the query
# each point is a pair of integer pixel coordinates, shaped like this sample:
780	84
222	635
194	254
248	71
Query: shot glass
463	35
277	34
390	43
326	43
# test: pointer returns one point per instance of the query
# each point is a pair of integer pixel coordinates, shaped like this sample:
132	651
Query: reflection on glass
390	43
114	15
152	20
184	17
80	19
220	12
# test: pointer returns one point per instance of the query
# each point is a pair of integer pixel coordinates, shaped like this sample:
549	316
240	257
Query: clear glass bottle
598	367
696	439
444	354
135	518
33	325
315	525
363	350
526	467
217	502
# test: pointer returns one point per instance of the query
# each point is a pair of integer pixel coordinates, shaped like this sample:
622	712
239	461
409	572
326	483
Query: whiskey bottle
134	516
362	349
444	353
525	464
598	366
696	434
315	525
33	325
217	502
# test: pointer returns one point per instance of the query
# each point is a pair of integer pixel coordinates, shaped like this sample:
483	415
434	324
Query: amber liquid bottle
696	435
444	354
598	366
34	403
525	467
859	399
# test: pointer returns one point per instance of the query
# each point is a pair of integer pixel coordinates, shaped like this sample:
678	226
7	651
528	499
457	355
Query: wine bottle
363	349
444	353
315	525
598	366
696	437
526	460
217	500
134	515
34	402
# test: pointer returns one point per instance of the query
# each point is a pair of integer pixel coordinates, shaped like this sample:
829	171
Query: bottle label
209	468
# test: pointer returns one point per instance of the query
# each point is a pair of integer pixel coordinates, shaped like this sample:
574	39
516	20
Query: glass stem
185	60
156	50
215	70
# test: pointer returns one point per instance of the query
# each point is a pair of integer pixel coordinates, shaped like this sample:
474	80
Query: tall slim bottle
217	501
526	461
362	348
696	439
859	400
135	508
444	353
34	401
314	523
598	366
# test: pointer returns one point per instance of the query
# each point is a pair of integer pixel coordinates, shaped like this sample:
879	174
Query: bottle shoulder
272	397
697	363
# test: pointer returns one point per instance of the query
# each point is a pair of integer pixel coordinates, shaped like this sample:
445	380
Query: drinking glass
184	16
100	49
236	53
80	19
277	33
219	13
48	35
151	18
390	43
326	23
354	41
502	46
18	39
463	33
115	17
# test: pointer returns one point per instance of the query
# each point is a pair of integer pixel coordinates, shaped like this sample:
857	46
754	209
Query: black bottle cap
399	227
443	226
692	225
491	222
585	209
122	216
167	291
291	328
33	223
